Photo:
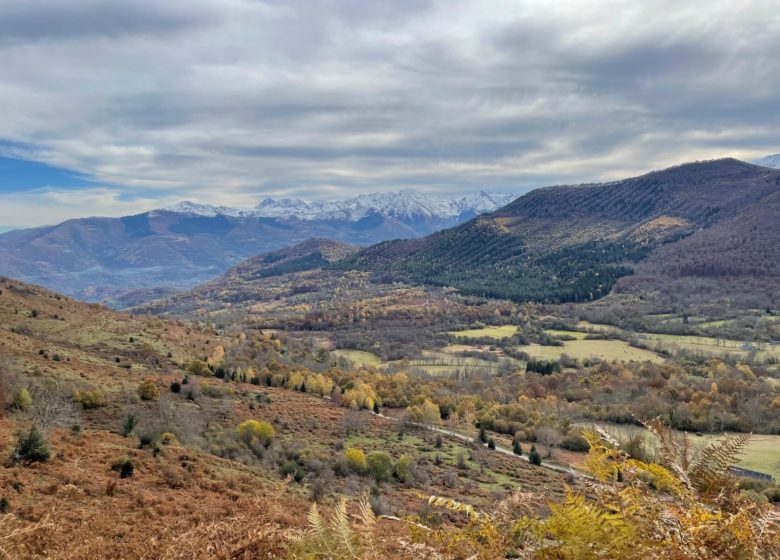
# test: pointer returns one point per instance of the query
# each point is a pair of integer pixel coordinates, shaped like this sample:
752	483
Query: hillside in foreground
137	437
76	372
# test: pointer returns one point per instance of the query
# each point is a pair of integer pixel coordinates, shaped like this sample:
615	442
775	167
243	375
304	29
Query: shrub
124	467
575	442
533	457
403	468
251	431
148	390
517	449
491	443
22	400
31	447
90	399
356	459
5	505
773	494
379	466
198	367
175	387
293	469
129	424
147	438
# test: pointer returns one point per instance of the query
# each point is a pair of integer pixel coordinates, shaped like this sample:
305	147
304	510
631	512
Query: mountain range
703	233
153	253
769	161
715	220
407	206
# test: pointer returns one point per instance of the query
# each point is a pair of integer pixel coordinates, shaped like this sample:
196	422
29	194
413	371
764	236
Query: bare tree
549	437
354	422
51	406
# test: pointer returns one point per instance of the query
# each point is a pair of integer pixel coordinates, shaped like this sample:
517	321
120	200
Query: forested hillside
572	243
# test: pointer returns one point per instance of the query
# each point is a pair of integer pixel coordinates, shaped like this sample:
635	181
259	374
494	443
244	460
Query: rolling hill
102	259
715	219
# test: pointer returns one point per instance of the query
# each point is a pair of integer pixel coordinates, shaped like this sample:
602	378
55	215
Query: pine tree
533	457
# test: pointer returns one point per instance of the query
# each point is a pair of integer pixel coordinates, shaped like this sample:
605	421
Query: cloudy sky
118	106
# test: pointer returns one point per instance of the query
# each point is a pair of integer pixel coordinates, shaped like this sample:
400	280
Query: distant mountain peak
769	161
404	205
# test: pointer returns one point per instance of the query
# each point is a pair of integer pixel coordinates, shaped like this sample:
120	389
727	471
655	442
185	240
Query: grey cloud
317	98
53	21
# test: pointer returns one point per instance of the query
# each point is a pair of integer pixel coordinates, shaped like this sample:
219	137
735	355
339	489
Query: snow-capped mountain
769	161
403	205
189	243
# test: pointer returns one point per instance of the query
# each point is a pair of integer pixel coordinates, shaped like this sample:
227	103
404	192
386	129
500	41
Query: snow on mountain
769	161
188	207
402	205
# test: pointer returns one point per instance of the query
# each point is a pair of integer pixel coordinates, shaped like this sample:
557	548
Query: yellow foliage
632	510
22	400
254	431
356	459
148	390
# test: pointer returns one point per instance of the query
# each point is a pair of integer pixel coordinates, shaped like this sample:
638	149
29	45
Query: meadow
497	332
761	454
614	350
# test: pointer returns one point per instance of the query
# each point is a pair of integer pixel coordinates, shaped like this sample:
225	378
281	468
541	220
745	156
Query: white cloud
226	101
51	205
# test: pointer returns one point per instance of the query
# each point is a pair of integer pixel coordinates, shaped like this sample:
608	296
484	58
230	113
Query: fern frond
711	473
343	531
368	520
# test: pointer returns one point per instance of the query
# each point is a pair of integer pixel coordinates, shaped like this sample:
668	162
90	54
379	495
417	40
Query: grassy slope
173	492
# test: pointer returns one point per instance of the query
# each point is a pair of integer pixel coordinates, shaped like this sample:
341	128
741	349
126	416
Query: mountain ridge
574	243
404	204
100	259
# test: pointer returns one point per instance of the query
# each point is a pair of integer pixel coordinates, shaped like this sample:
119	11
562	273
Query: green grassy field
359	357
704	344
502	331
762	453
616	350
561	333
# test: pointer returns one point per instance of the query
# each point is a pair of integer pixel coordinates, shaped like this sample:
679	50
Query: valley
324	371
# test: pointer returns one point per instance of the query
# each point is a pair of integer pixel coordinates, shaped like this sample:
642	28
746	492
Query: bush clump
575	441
22	400
148	390
254	431
31	448
403	468
356	459
379	466
124	466
293	469
90	399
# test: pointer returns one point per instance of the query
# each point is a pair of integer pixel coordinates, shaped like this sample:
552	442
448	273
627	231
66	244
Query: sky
116	107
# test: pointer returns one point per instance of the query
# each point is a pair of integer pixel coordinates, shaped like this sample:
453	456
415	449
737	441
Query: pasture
501	331
581	349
